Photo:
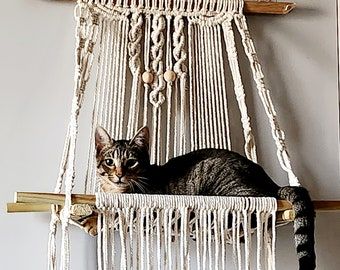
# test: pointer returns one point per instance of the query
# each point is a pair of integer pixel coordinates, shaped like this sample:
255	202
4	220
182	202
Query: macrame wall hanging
162	64
165	64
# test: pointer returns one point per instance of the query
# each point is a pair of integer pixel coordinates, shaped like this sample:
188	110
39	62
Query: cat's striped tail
303	224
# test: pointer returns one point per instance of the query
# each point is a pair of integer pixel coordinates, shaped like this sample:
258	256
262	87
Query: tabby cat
124	167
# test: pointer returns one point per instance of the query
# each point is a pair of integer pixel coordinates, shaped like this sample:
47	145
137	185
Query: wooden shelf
41	202
33	198
37	201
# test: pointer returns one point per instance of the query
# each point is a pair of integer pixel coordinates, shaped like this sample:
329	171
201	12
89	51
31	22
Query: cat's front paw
89	225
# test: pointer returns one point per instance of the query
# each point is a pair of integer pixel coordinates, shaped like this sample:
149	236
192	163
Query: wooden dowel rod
58	199
28	207
52	198
265	7
273	8
327	205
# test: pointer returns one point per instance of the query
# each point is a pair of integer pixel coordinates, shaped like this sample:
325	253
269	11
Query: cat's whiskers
143	182
139	185
142	177
132	188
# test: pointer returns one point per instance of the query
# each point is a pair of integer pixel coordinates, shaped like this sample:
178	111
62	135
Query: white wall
298	53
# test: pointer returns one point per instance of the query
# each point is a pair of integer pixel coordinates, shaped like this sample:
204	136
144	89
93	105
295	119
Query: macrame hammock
174	52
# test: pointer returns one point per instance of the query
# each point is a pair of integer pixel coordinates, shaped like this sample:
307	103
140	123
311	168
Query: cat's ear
102	138
141	139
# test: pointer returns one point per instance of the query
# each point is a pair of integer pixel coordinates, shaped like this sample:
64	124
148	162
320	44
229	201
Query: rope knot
156	98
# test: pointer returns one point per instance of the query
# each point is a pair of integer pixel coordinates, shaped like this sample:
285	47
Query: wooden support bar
282	216
53	198
28	207
327	205
24	201
58	199
264	7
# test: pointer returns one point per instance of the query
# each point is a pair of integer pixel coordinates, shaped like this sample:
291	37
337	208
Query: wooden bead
169	76
147	77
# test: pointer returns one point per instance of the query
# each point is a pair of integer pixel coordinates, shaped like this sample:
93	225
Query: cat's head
121	164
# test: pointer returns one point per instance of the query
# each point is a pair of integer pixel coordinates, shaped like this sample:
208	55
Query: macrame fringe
176	224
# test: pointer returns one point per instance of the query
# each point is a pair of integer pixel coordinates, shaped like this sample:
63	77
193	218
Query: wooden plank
327	205
25	207
58	199
52	198
28	207
272	8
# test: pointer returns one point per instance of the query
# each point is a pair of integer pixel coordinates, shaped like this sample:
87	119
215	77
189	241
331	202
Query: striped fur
203	172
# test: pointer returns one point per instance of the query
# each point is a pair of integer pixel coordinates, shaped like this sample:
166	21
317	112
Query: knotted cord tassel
167	218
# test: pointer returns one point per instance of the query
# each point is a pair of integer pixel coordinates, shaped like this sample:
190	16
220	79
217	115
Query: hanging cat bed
174	54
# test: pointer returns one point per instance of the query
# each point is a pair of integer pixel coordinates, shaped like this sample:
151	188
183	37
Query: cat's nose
119	172
118	179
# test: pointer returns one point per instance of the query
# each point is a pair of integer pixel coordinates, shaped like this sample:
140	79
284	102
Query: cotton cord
135	37
250	148
222	91
192	88
90	183
210	228
180	68
86	37
156	97
277	134
121	28
146	67
169	87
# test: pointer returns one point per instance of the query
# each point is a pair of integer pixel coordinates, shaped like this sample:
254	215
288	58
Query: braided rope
277	134
249	147
90	173
156	97
135	37
86	36
169	89
180	68
146	67
122	52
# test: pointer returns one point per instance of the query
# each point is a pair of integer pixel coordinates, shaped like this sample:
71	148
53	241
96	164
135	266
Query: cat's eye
109	162
131	163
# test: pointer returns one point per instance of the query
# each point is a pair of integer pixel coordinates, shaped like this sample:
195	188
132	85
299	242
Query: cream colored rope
250	148
171	213
86	38
135	37
206	124
180	68
157	98
277	132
